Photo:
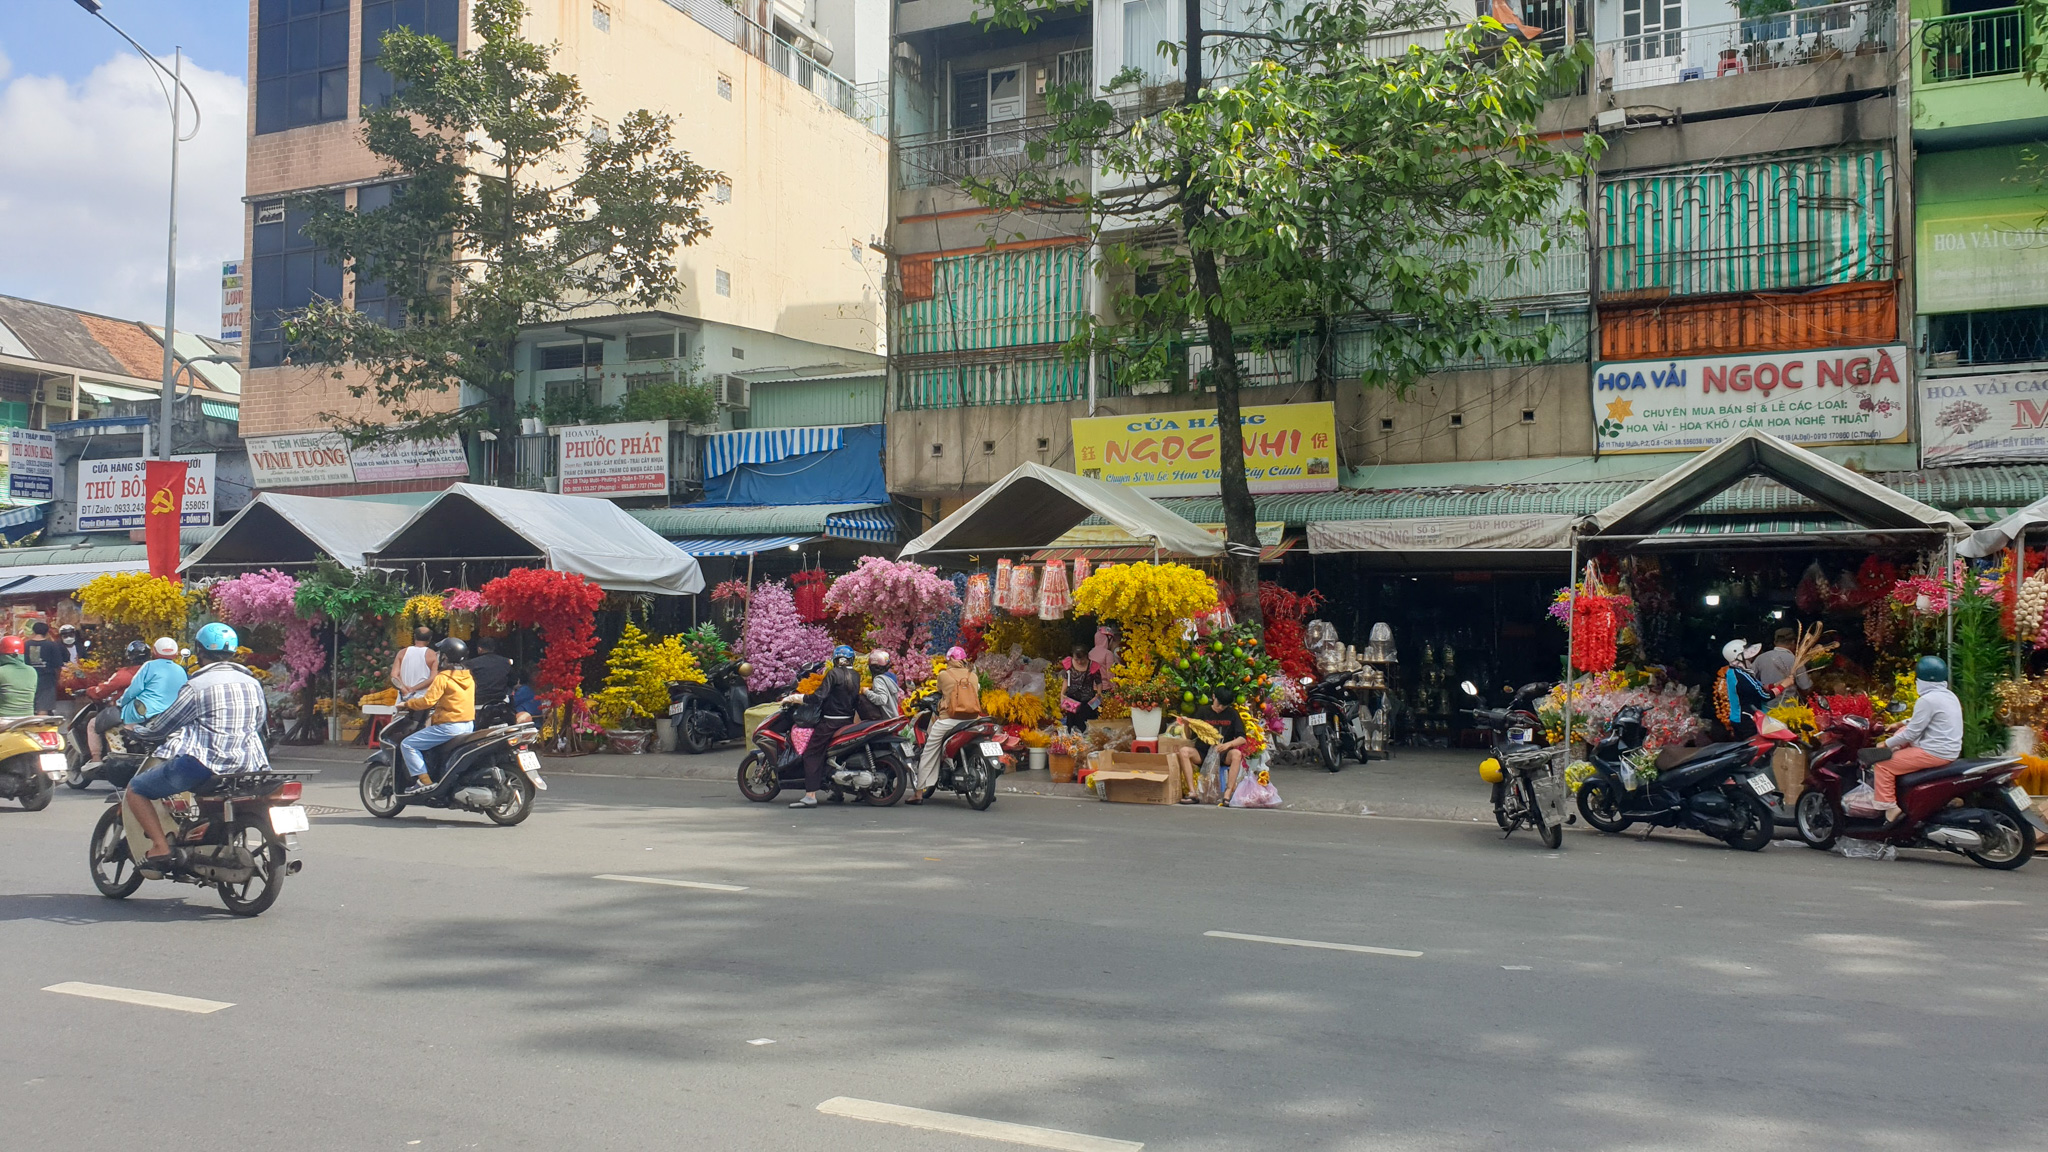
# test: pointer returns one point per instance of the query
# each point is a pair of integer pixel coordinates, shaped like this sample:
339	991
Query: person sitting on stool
452	696
1932	738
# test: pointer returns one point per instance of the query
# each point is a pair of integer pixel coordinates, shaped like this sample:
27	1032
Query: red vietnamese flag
163	511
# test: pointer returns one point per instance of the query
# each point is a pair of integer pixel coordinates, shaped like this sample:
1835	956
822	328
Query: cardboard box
1135	778
1168	745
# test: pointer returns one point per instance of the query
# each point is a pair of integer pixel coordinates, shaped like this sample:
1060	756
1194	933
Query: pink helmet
957	653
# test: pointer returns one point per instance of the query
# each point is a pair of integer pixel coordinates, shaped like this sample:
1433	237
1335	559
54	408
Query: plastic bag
1854	849
1860	801
1208	779
1255	790
976	609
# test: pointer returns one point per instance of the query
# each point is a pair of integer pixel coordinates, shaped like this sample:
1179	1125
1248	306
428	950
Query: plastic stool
1149	746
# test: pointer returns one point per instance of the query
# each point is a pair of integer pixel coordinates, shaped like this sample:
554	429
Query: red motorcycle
866	761
971	760
1970	806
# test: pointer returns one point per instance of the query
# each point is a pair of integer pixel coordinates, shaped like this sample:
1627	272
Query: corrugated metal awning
1132	554
747	519
71	580
701	546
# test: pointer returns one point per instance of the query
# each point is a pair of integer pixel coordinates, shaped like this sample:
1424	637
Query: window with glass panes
301	63
439	18
288	273
373	298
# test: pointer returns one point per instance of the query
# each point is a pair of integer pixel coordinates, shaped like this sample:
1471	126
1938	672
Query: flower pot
665	734
1061	766
1037	760
626	741
1145	723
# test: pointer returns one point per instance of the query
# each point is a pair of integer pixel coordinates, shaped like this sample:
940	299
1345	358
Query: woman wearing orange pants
1931	738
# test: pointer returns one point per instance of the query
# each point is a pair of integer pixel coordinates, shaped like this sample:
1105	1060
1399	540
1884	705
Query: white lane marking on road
1334	947
882	1113
138	996
707	886
761	1041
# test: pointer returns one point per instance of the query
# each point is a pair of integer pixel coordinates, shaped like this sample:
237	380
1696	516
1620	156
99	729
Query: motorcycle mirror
1307	680
745	669
1469	688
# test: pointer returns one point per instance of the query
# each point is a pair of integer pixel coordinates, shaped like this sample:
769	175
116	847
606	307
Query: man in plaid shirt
215	727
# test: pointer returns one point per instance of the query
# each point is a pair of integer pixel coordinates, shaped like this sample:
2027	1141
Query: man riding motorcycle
214	728
111	689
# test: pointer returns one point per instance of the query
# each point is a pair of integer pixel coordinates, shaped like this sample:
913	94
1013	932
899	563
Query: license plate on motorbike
2019	796
288	818
530	764
1762	784
1317	720
676	709
991	749
53	763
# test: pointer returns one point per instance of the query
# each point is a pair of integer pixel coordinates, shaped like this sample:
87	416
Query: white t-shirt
412	669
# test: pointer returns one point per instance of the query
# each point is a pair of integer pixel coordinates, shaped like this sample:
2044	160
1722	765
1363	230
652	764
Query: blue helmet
217	639
843	652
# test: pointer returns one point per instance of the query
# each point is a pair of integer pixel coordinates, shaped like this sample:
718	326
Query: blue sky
85	132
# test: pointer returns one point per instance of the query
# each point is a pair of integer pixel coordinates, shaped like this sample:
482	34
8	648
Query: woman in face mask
1739	695
835	699
1931	738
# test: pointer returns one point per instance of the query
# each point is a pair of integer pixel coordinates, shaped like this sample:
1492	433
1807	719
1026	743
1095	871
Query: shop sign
410	460
1819	396
299	460
1977	256
614	459
31	464
233	300
1983	419
111	493
1533	532
1287	448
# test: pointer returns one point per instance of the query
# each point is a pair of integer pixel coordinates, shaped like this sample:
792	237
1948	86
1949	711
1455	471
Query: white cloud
83	208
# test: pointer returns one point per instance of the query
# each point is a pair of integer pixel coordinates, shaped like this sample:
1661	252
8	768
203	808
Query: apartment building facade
789	284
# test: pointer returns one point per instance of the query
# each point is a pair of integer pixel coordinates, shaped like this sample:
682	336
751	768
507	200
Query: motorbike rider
493	675
452	696
1931	738
17	679
885	691
959	702
214	728
1740	697
111	689
835	699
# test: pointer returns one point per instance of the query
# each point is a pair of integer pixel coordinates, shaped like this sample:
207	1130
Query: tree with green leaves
1299	177
509	211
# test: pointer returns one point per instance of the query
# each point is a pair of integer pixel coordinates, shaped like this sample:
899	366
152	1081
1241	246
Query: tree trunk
1240	515
504	421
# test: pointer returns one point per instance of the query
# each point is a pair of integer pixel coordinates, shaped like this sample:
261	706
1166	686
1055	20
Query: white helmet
1739	652
165	647
879	658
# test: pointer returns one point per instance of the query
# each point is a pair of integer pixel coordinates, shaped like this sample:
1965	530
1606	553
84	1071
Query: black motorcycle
117	767
1333	719
1527	778
1725	791
709	714
492	770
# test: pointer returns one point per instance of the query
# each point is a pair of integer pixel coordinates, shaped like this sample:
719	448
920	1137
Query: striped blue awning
725	451
875	525
739	545
16	523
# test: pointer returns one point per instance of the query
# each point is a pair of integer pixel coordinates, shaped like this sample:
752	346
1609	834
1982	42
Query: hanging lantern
1002	589
1023	591
975	609
1054	597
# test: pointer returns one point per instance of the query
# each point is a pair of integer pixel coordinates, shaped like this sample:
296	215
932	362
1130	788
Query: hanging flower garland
563	605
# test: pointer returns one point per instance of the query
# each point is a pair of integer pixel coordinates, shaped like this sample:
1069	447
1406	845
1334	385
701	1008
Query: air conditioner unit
732	391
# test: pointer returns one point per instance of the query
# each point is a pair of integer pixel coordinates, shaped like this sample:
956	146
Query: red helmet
12	646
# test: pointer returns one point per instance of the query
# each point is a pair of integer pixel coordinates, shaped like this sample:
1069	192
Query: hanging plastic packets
1081	571
1054	597
1002	589
975	608
1023	591
808	589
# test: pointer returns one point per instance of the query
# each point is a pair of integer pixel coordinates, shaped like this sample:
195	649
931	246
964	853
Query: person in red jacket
109	690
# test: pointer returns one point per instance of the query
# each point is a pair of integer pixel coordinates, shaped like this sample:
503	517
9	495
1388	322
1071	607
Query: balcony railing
1717	51
861	102
1973	44
991	153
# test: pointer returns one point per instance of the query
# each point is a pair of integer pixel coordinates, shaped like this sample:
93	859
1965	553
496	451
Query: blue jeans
178	774
432	736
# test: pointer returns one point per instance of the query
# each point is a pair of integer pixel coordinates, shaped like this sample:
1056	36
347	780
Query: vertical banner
31	464
163	513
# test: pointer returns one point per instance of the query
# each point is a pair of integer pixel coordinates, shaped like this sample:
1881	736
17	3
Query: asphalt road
436	982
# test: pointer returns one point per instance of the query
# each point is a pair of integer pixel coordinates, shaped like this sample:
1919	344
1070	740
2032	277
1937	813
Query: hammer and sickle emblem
160	501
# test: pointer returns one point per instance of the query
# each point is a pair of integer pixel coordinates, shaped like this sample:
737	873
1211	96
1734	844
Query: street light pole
176	73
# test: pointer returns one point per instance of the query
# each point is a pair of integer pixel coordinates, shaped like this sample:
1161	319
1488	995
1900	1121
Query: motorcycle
708	714
1970	807
866	760
117	767
31	759
235	835
1334	720
1725	791
1527	778
492	770
971	760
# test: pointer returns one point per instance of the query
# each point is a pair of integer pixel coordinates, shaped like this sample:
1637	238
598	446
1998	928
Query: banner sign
112	494
296	461
615	459
1544	532
1984	419
31	464
233	300
164	505
1287	448
410	460
1819	396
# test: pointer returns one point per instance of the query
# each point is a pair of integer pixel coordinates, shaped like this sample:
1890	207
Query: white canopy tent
278	529
1034	506
2000	536
596	538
